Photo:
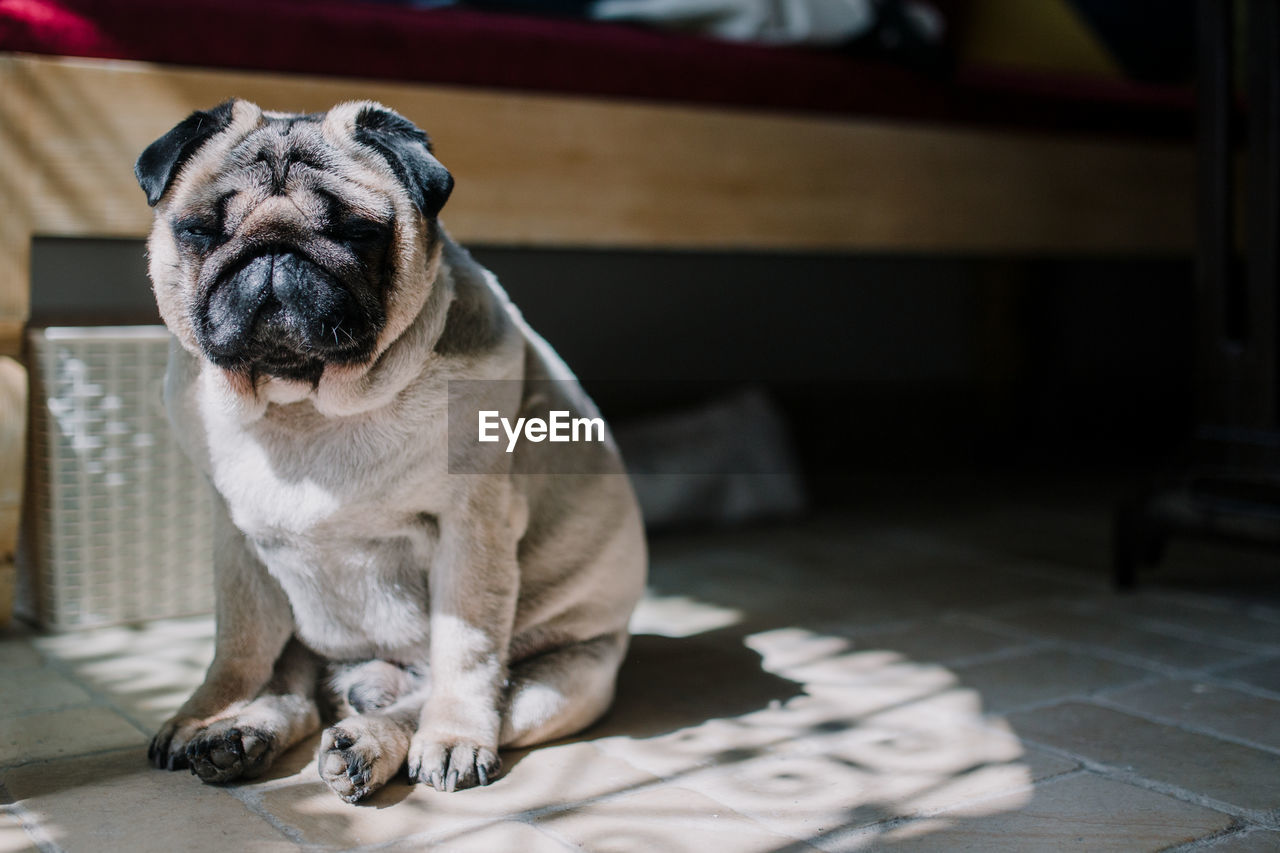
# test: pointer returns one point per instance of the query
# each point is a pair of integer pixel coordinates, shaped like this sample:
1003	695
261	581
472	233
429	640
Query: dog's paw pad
452	766
222	753
347	763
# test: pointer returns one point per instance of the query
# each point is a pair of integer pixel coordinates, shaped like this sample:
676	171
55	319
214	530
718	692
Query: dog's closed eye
200	234
363	231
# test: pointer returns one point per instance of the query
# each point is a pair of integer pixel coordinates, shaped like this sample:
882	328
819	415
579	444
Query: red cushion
473	48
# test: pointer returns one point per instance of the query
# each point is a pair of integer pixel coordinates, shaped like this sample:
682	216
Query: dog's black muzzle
281	314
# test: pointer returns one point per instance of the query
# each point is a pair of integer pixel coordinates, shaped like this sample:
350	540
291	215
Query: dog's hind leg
561	692
357	688
245	744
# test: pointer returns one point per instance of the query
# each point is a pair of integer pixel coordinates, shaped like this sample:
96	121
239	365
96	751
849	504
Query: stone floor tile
161	636
669	819
13	838
497	837
927	580
1264	674
318	817
552	777
808	658
28	689
58	734
1207	706
1041	530
714	742
680	616
799	796
117	802
1084	812
896	765
1218	769
738	579
149	671
1253	841
932	641
150	686
1195	567
1043	676
926	763
863	579
1051	621
18	652
1210	618
792	650
919	793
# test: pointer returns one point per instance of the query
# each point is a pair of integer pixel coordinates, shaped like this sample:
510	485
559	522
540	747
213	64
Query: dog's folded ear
408	151
159	164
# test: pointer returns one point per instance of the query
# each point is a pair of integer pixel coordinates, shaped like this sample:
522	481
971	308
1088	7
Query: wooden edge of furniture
550	170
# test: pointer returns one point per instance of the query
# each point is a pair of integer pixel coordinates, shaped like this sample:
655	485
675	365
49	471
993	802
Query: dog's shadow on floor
667	684
672	683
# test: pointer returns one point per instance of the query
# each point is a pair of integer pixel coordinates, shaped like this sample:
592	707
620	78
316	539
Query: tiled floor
923	672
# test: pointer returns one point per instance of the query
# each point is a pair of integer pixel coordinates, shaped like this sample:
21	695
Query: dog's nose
297	282
280	297
312	304
235	303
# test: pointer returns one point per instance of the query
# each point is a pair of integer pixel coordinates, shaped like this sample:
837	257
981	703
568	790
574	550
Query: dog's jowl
320	313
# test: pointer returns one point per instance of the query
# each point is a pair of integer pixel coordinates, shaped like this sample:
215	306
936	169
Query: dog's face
285	245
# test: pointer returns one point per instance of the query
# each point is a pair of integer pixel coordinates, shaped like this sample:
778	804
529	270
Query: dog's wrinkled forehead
289	157
287	171
284	146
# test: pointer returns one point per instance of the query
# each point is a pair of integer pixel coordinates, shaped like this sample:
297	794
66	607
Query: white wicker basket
117	521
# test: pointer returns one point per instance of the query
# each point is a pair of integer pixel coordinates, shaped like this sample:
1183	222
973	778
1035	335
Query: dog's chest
355	599
343	520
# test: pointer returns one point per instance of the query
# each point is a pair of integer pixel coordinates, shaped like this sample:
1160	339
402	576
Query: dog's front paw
168	749
225	751
359	755
451	764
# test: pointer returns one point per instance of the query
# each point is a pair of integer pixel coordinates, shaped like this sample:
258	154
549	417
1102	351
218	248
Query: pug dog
439	596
